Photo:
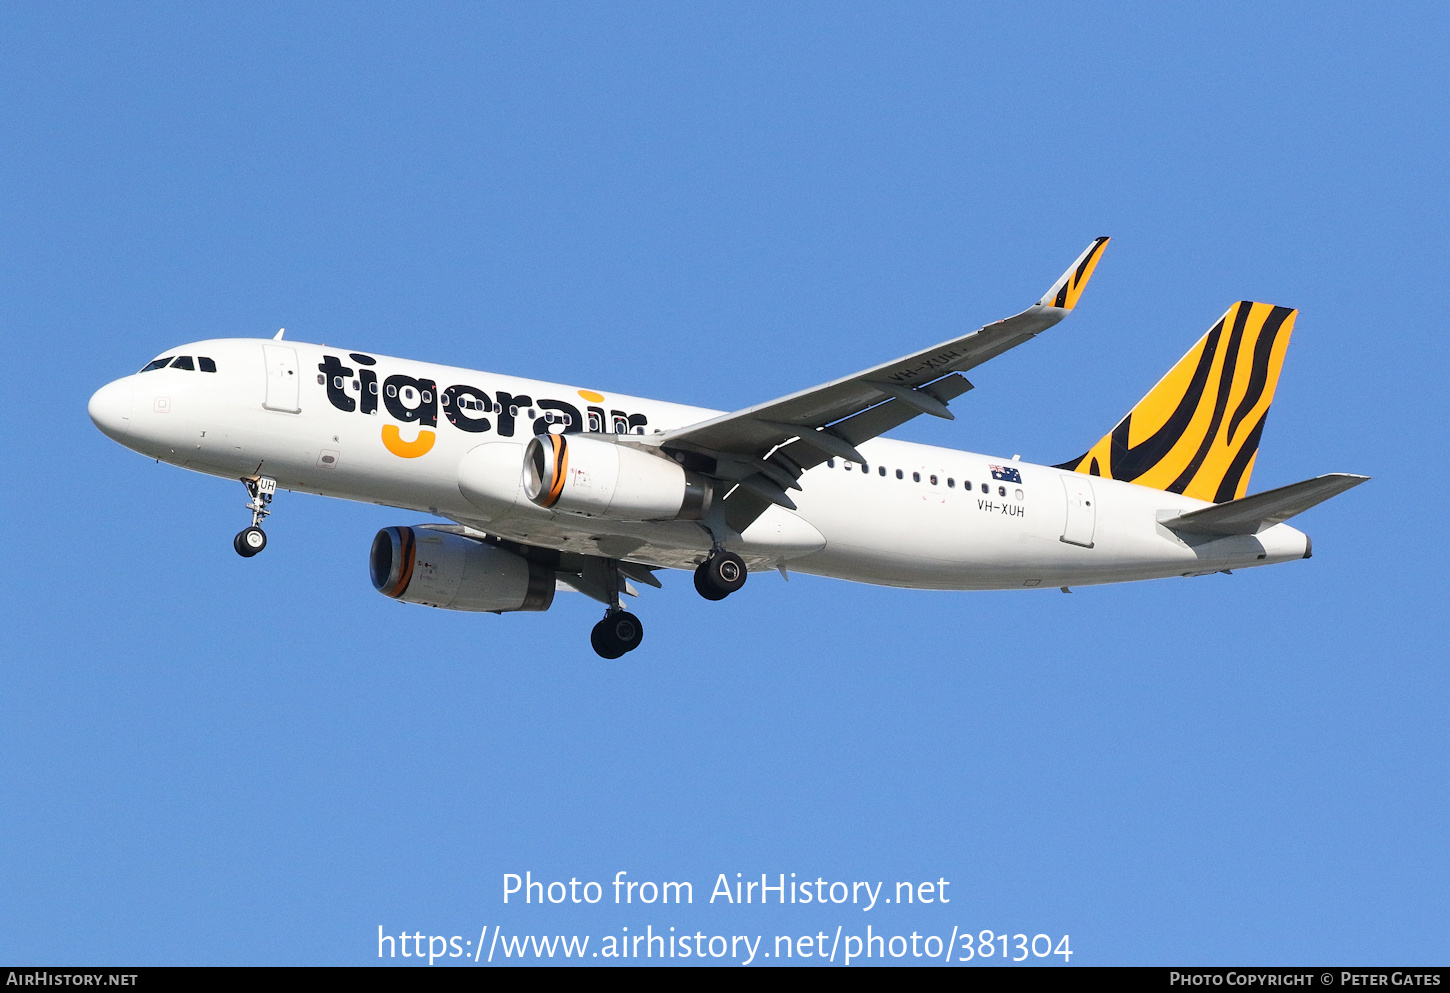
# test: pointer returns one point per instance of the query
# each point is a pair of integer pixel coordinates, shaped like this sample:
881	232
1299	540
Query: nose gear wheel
249	542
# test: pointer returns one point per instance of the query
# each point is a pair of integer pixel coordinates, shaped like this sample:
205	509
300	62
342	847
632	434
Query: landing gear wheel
702	584
618	633
720	575
249	542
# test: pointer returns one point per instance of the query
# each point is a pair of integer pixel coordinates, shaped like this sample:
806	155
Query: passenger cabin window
184	362
966	484
951	482
830	463
900	474
158	364
933	480
1001	491
882	470
916	477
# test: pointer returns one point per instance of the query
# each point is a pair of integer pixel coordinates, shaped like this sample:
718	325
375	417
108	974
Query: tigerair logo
414	403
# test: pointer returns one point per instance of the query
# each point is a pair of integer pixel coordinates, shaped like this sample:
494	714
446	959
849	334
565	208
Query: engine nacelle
457	573
581	475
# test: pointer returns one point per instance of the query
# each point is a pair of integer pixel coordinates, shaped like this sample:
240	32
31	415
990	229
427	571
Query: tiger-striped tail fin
1197	431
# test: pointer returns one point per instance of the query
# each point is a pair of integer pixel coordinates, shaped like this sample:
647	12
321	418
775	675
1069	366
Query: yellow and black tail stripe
1197	431
1065	294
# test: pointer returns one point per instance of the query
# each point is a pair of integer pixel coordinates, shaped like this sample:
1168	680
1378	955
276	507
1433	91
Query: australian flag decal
1005	473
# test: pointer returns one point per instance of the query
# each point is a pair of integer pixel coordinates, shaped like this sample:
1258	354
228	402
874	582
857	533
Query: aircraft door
1082	516
283	383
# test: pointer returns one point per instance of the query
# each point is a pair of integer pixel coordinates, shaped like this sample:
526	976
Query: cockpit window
207	365
158	364
184	362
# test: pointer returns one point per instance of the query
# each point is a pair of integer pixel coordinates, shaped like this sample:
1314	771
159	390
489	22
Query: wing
765	448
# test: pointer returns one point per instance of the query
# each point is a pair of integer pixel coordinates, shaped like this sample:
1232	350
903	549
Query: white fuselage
936	519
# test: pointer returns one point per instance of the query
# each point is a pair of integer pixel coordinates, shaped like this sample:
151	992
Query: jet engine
438	569
594	478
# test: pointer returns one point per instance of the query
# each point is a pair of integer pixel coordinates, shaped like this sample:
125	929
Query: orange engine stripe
561	466
406	576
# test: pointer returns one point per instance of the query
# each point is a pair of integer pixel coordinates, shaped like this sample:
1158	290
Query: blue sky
211	760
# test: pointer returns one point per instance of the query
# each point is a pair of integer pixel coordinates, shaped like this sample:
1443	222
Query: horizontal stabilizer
1252	514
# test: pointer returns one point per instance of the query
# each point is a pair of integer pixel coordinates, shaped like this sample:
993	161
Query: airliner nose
110	409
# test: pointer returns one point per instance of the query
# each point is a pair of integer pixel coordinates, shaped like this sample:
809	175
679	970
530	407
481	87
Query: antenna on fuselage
278	335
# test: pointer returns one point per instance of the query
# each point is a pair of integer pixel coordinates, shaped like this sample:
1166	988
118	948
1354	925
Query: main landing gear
720	575
250	541
620	632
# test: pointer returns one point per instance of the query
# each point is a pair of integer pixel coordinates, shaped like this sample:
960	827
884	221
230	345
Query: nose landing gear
249	541
720	575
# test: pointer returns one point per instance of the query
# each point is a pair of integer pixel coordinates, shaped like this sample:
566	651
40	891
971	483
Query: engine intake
438	569
594	478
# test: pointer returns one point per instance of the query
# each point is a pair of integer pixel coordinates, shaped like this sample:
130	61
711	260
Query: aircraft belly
908	534
938	539
781	534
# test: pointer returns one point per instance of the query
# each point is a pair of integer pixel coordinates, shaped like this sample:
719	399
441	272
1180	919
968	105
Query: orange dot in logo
591	396
393	442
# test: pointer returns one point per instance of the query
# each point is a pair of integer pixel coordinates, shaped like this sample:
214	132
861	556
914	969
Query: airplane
546	486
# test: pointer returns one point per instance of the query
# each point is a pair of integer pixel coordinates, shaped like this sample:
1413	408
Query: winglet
1066	290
